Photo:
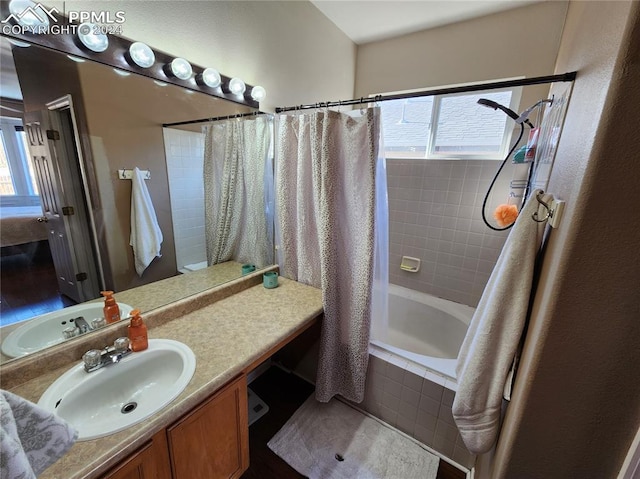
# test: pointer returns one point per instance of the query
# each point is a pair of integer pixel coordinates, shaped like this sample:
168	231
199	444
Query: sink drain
129	407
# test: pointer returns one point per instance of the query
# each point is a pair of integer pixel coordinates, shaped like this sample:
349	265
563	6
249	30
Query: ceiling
370	20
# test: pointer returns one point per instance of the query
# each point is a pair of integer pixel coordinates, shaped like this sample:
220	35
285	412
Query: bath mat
257	407
334	441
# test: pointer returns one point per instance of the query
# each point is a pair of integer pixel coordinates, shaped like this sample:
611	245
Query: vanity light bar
86	43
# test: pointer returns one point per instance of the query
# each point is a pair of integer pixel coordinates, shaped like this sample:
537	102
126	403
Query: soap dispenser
111	309
137	332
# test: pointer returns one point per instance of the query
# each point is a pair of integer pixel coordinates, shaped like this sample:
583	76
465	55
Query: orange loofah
505	215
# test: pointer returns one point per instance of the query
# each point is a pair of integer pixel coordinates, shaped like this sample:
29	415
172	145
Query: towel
31	438
146	237
491	342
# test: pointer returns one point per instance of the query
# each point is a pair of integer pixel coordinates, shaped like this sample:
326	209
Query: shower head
523	118
508	111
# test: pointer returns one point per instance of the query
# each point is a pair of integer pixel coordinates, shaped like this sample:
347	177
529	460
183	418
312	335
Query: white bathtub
424	329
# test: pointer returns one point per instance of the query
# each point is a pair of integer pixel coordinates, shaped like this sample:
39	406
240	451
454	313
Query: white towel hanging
146	236
488	349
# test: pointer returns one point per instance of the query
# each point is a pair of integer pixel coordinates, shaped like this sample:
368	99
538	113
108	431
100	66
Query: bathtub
423	330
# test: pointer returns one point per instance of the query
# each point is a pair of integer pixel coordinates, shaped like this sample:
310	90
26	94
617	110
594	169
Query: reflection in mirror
67	128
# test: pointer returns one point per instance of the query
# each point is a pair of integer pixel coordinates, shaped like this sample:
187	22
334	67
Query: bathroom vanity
231	329
210	441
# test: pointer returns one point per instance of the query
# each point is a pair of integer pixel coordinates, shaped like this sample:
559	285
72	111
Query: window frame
430	154
17	158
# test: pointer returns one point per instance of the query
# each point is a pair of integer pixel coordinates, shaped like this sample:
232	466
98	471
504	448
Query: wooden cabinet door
135	466
150	462
213	440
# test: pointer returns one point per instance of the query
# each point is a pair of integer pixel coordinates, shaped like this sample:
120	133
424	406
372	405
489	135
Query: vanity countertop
227	337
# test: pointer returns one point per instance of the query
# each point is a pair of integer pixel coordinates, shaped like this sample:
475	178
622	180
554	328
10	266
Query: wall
575	404
289	48
185	158
521	41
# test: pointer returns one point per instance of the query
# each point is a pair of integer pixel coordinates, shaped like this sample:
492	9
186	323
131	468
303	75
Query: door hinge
81	276
53	134
68	211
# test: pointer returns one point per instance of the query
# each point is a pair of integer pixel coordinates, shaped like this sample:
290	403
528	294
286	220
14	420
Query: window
18	186
448	126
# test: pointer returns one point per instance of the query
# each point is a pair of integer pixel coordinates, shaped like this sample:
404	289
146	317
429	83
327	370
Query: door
63	211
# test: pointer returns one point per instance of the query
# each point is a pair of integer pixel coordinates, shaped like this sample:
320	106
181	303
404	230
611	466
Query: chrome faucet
95	359
82	325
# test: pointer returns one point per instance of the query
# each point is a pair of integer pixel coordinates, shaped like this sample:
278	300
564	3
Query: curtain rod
207	120
565	77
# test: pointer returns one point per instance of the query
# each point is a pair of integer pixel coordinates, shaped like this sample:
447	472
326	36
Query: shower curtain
326	168
238	191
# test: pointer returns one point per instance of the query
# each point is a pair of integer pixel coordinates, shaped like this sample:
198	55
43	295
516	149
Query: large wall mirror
97	122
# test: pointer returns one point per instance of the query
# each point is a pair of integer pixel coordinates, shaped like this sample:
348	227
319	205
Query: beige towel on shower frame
491	342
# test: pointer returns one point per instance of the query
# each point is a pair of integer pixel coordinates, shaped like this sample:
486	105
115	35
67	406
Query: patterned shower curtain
237	177
326	205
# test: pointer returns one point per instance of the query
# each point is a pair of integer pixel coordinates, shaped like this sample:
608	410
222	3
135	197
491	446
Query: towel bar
127	174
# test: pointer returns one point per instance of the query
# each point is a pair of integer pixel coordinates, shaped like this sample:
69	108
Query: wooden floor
284	393
28	285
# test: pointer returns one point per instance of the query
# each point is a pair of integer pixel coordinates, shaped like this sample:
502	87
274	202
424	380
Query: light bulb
211	77
237	86
258	93
122	73
97	42
181	68
142	55
75	59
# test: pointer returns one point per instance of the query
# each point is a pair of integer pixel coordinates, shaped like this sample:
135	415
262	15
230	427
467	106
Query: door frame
62	103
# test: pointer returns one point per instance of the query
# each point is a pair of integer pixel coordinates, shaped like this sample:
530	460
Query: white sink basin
120	395
46	330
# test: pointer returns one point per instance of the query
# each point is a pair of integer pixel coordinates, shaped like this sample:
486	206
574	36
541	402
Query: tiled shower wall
185	153
415	401
435	215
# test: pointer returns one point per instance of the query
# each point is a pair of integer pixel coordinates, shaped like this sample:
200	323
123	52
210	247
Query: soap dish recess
410	264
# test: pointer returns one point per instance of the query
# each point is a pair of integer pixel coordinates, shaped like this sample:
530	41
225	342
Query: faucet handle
97	323
91	358
121	345
69	332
